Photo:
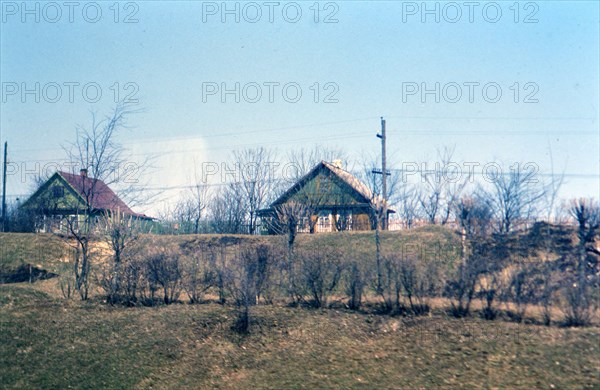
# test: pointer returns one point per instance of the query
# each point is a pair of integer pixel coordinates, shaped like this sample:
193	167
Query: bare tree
490	288
182	214
120	232
547	278
256	177
389	284
452	192
95	151
289	218
228	210
407	205
197	201
430	200
552	187
246	277
191	208
440	189
586	213
515	197
474	216
24	220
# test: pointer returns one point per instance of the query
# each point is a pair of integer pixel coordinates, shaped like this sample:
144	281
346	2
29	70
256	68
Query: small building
332	200
65	199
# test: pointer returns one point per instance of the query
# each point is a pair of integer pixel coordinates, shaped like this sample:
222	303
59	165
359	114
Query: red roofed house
66	197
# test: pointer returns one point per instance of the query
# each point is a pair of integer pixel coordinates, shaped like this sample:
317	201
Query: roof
103	199
351	180
343	175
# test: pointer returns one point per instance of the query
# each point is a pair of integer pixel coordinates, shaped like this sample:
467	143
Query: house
331	198
66	198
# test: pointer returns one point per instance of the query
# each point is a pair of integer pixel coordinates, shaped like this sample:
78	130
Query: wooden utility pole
383	161
384	174
4	165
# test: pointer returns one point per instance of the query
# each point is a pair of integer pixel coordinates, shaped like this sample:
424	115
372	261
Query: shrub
163	271
320	272
356	278
199	274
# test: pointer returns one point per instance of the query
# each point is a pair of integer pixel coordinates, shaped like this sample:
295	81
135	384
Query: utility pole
384	174
4	165
383	210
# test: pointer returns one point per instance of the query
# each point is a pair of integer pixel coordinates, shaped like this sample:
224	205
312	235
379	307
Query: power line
228	133
166	153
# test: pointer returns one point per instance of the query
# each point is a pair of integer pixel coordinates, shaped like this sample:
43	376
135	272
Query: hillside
49	252
50	343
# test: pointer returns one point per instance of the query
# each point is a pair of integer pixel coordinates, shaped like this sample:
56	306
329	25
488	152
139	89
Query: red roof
103	197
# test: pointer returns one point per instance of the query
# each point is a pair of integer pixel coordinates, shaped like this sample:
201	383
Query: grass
45	251
51	343
48	342
49	250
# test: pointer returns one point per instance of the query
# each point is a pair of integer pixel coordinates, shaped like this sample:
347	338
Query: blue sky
373	53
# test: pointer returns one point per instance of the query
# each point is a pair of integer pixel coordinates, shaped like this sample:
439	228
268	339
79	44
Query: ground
49	342
52	343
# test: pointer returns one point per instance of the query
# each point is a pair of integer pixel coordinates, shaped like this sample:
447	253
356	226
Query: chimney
83	172
338	163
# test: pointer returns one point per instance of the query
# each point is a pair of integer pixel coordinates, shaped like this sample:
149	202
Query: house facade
65	200
330	198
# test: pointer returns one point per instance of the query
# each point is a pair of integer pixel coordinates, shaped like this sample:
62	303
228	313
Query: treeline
226	198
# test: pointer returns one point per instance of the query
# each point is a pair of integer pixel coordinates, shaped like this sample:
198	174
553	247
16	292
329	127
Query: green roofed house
67	198
328	199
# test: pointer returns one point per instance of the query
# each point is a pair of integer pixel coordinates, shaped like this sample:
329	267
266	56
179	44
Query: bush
576	303
319	273
199	274
246	277
461	289
356	278
415	284
163	271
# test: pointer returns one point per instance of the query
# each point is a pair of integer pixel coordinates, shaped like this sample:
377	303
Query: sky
501	82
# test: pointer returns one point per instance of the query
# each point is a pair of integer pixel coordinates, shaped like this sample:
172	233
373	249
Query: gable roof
344	176
351	180
103	198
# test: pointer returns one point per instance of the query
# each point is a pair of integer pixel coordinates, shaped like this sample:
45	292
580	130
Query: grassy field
48	251
42	250
51	343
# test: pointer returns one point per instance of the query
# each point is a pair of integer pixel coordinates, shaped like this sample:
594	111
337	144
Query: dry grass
47	342
41	250
51	343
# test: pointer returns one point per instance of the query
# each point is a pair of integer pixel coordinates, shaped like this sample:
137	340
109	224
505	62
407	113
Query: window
58	192
324	221
304	225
